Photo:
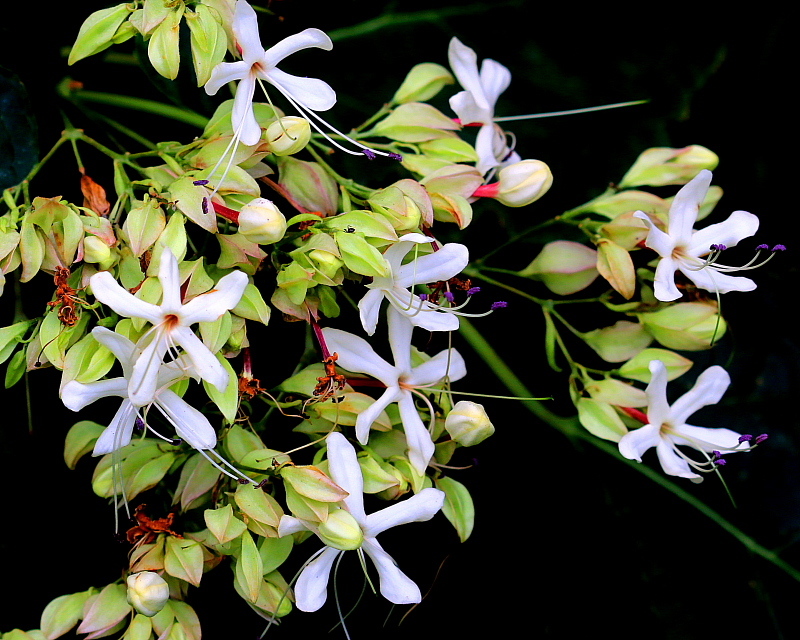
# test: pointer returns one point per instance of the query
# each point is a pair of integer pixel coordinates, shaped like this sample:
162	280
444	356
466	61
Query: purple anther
138	424
717	454
473	290
200	183
720	462
176	442
449	296
721	247
745	438
204	205
396	156
779	247
761	438
714	247
261	484
243	481
369	153
762	246
423	296
500	304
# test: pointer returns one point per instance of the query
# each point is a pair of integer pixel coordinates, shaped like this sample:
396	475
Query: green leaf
458	507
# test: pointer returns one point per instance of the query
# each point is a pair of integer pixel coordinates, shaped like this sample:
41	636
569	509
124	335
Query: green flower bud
261	222
619	342
148	592
423	82
96	251
686	326
565	267
325	262
341	531
523	182
97	31
662	166
468	423
288	135
309	184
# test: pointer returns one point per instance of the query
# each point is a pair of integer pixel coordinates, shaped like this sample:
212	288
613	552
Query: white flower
476	103
257	63
443	264
312	585
190	425
681	248
171	321
667	428
356	355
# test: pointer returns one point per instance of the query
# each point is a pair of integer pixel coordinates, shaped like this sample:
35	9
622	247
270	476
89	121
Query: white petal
289	525
713	280
665	288
672	463
111	293
430	319
709	389
495	79
708	439
204	363
486	147
190	425
76	395
369	309
144	375
297	42
445	363
371	413
662	243
395	586
464	63
418	508
686	206
311	93
170	278
224	73
245	29
209	306
737	227
311	589
420	445
122	348
346	472
448	261
400	329
658	411
356	355
118	433
243	119
464	106
634	443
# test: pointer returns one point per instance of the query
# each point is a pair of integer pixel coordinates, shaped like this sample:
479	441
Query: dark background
568	541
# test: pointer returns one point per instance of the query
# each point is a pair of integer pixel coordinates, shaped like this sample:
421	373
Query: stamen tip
369	153
473	290
762	246
779	247
500	304
449	296
745	438
396	156
200	183
761	438
720	462
423	296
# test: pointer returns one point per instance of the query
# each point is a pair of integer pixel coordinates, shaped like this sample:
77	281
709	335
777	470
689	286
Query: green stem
570	427
140	104
357	189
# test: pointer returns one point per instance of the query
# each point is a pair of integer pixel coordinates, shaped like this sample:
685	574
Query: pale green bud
468	423
341	531
309	184
97	31
148	592
619	342
686	326
163	49
288	135
565	267
261	222
625	230
615	265
415	122
661	166
96	251
423	82
325	262
523	182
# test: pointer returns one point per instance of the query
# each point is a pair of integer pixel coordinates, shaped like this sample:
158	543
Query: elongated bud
661	166
341	531
523	182
564	266
96	251
423	82
148	592
288	135
261	222
468	423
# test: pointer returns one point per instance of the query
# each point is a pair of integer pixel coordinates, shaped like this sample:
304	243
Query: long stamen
551	114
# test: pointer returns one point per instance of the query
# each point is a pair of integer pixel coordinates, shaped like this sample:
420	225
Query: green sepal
183	559
223	524
638	367
252	305
249	569
198	477
601	419
208	41
11	336
227	401
63	613
360	256
258	505
458	507
97	31
80	441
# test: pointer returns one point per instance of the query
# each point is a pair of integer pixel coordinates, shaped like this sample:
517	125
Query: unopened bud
423	82
341	531
148	592
325	262
288	135
523	182
468	423
661	166
95	250
261	222
564	266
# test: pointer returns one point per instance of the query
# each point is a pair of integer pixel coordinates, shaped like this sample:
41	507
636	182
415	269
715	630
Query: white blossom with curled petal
190	425
443	264
311	589
681	247
476	103
667	429
171	321
257	63
401	379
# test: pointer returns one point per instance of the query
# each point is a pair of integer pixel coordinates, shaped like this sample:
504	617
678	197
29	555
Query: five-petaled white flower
476	103
667	429
171	321
190	425
356	355
312	585
256	63
443	264
681	248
